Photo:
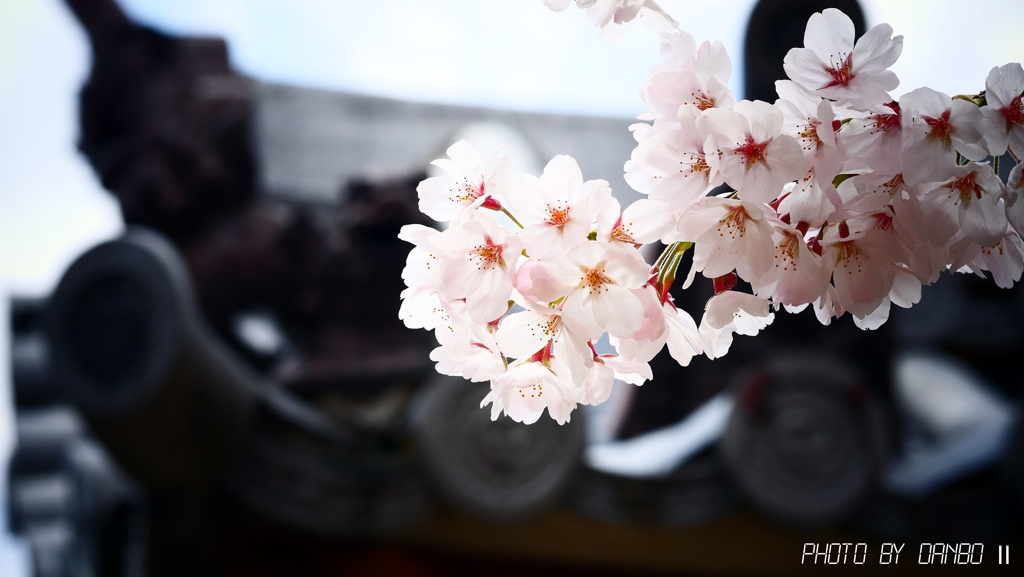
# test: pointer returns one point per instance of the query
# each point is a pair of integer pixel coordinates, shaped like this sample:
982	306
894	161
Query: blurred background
246	399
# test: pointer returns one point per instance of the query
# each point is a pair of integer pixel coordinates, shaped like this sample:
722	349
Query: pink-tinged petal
416	234
594	195
557	5
683	337
561	182
829	34
1004	84
764	119
607	218
540	239
1015	141
625	266
1005	261
875	318
436	198
927	161
859	285
1015	198
877	50
467	159
597	386
705	215
983	220
715	342
729	127
632	372
524	333
645	221
713	62
664	93
679	48
807	203
906	290
574	352
723	308
579	316
968	135
804	67
617	310
554	276
824	131
490	299
996	136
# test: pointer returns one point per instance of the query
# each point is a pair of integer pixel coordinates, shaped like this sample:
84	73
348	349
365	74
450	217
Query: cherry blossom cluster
608	15
838	196
834	197
521	303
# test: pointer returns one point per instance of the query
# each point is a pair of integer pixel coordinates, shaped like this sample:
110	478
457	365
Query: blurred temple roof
311	142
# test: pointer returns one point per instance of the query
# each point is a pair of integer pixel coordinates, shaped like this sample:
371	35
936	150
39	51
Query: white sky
502	53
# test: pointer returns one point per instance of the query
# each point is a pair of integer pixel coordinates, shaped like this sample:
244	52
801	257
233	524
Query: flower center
487	255
841	73
787	252
734	223
535	391
752	151
967	187
1013	113
848	252
466	192
594	281
620	232
883	222
701	101
558	216
886	122
940	128
809	135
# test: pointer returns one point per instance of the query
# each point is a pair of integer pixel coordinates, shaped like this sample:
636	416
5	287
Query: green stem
995	164
667	265
509	214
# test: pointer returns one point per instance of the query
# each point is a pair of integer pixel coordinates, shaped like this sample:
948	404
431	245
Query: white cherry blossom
691	86
732	312
643	222
528	388
752	153
728	234
1004	110
478	261
597	386
470	182
845	202
595	280
831	65
525	333
973	197
935	128
467	349
606	13
675	159
875	139
1014	196
560	209
663	324
1003	259
863	265
796	276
